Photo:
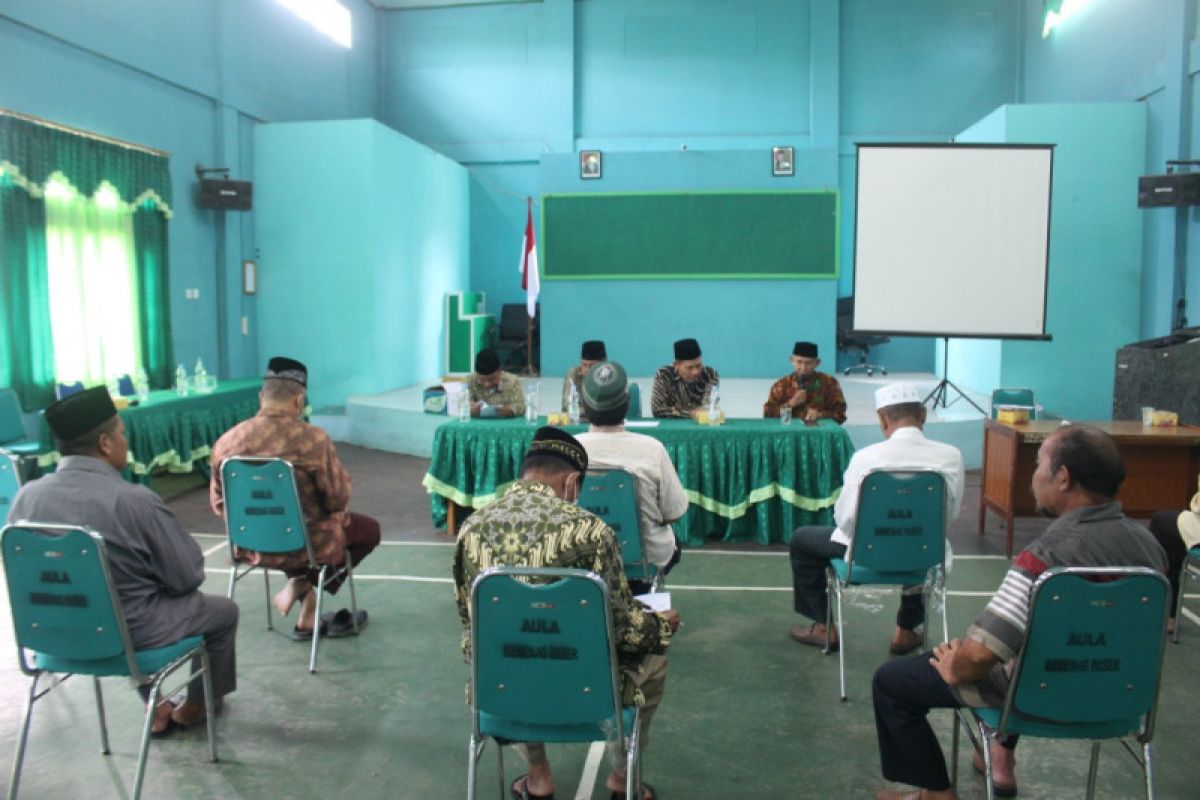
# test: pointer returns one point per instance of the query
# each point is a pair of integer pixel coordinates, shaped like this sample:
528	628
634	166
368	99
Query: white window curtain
93	284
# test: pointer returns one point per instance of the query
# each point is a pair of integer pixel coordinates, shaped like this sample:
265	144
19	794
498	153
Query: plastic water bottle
200	377
181	381
573	405
714	403
464	406
531	404
141	385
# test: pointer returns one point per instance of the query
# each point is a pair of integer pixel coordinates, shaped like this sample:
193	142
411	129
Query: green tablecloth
177	433
750	479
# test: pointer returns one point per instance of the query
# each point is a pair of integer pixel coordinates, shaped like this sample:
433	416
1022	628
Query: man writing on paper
1079	471
660	496
811	395
901	416
491	391
535	523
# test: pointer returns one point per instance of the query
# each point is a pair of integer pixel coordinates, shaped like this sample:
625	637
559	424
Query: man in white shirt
901	416
661	499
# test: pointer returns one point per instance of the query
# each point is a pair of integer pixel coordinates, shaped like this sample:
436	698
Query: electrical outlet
245	325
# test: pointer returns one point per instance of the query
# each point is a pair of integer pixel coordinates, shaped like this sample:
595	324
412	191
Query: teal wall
361	233
515	91
191	78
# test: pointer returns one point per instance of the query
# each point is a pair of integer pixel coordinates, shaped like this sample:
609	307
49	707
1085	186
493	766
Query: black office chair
848	340
508	338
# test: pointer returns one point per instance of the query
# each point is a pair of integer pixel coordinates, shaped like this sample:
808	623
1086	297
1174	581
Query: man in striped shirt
682	388
1079	471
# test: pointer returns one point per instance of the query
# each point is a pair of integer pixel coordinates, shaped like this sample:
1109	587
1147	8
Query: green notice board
690	236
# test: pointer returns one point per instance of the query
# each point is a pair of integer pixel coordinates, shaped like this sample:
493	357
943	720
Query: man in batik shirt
535	523
492	391
681	388
810	394
336	533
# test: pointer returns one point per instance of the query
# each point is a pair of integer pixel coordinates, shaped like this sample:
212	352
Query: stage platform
393	421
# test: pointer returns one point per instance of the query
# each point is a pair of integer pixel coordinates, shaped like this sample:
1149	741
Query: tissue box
1164	419
1013	415
433	400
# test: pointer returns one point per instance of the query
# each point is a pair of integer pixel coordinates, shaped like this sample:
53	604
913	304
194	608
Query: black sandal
523	792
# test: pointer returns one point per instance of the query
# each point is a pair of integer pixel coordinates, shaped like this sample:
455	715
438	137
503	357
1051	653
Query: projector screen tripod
942	390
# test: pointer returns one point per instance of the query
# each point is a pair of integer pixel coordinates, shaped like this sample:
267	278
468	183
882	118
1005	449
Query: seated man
681	388
156	567
1177	532
1079	470
535	523
491	391
336	533
810	394
901	416
592	352
660	495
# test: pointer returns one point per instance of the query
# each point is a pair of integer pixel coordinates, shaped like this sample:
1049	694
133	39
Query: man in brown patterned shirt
535	523
278	431
810	394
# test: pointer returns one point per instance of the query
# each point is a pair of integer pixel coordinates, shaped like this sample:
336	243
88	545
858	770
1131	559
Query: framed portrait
782	161
249	277
589	164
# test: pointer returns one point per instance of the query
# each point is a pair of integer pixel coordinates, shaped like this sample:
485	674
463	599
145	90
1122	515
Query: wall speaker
1172	189
226	195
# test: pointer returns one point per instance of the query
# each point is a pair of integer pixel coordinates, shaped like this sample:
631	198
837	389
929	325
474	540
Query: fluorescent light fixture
328	16
1057	12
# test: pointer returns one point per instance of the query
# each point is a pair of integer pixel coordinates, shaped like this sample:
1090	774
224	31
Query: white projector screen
952	240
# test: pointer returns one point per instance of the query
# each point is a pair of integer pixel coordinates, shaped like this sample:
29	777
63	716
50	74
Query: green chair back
262	508
900	523
612	496
1013	397
543	651
10	481
635	402
1093	648
12	429
62	601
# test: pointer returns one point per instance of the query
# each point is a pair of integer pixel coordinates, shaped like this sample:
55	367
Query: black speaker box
226	195
1163	373
1175	189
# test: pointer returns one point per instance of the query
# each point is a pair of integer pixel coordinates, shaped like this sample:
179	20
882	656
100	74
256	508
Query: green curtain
154	302
26	347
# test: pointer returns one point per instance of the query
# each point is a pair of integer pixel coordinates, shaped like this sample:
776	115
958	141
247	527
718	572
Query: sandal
645	786
523	792
1001	789
341	624
305	634
170	726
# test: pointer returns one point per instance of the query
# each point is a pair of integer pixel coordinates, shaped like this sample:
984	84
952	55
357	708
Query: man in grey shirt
156	566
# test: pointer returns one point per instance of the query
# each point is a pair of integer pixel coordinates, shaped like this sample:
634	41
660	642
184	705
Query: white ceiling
398	5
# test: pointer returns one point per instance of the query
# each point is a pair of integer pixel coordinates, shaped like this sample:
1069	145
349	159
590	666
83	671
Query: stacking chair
67	616
1013	397
612	496
1191	570
10	480
125	386
544	666
899	539
635	402
12	429
1089	667
263	514
62	390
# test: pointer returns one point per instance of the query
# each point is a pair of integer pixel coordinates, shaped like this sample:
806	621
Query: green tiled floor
748	713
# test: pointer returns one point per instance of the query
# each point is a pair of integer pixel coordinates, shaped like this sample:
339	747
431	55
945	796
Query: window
328	16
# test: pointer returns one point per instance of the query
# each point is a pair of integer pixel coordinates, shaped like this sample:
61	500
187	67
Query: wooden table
1161	465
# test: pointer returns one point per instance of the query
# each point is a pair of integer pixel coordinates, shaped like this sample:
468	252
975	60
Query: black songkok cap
687	349
557	443
593	350
287	369
805	350
79	413
486	362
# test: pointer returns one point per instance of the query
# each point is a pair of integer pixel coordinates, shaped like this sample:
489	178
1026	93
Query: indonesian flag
529	265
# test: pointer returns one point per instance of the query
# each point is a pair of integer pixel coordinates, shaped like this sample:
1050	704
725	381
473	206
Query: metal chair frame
934	584
981	734
1189	571
325	572
637	565
10	480
137	677
615	728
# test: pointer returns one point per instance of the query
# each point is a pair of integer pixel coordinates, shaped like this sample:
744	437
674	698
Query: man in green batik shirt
492	391
535	523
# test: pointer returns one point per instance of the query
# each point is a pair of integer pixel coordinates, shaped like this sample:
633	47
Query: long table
1160	467
167	431
747	480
